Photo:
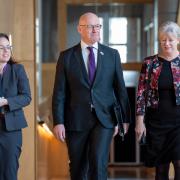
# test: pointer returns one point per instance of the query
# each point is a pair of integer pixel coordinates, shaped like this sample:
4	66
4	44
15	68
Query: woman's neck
169	56
2	67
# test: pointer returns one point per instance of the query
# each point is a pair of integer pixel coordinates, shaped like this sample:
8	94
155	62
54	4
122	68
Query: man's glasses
7	48
91	27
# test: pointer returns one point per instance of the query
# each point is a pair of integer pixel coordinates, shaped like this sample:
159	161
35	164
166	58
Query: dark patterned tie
91	65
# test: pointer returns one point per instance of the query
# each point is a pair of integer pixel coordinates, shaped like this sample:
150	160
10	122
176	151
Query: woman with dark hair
14	95
158	99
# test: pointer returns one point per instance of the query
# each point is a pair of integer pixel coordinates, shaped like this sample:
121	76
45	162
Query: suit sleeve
23	97
59	92
120	90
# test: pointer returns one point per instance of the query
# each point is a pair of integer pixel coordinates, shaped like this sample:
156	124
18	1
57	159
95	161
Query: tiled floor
131	178
127	173
113	179
130	173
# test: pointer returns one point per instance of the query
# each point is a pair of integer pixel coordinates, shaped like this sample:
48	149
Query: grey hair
170	27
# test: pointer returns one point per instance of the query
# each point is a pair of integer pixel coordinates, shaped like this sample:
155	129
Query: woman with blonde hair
158	100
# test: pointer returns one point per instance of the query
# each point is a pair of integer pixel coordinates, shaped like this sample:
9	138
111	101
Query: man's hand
116	129
59	132
126	127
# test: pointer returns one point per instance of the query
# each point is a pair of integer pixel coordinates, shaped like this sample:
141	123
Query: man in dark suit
88	76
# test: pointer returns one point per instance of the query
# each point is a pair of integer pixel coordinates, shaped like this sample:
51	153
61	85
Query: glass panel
117	30
122	49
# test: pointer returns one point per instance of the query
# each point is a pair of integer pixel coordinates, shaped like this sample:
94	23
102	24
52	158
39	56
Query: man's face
89	28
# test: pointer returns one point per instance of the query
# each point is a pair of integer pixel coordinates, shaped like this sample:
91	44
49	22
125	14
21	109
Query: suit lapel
99	64
79	58
6	78
84	74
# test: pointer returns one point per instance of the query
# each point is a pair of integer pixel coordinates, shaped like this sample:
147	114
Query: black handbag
119	119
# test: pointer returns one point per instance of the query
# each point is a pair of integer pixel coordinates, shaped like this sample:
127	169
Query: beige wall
17	18
52	160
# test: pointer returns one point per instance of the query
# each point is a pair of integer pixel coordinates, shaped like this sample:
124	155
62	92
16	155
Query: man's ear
79	29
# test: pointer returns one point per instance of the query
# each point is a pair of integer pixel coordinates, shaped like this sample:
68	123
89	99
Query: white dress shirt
85	53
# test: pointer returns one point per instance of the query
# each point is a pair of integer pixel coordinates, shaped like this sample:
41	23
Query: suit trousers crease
89	151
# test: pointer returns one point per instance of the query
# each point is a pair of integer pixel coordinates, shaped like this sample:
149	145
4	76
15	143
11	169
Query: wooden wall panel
52	157
6	14
48	75
28	156
23	30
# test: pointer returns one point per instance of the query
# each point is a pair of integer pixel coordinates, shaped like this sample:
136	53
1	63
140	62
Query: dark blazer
17	91
73	94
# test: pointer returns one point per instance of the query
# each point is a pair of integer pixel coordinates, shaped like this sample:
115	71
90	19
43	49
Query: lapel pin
101	53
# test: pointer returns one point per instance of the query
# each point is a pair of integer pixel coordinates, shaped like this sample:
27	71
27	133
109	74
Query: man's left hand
126	127
116	129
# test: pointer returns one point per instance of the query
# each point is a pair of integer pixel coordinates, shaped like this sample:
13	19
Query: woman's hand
140	128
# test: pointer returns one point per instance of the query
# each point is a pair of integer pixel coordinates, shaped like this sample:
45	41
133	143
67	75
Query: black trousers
89	152
10	150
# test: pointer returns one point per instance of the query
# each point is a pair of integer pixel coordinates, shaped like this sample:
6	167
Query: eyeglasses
90	27
167	41
3	48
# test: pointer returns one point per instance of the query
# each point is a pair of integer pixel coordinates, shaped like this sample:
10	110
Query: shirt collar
4	68
84	45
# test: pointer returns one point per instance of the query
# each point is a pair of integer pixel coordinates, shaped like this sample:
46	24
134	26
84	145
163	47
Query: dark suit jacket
17	91
73	93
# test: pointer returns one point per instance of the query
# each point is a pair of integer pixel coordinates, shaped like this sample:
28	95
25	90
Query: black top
167	109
